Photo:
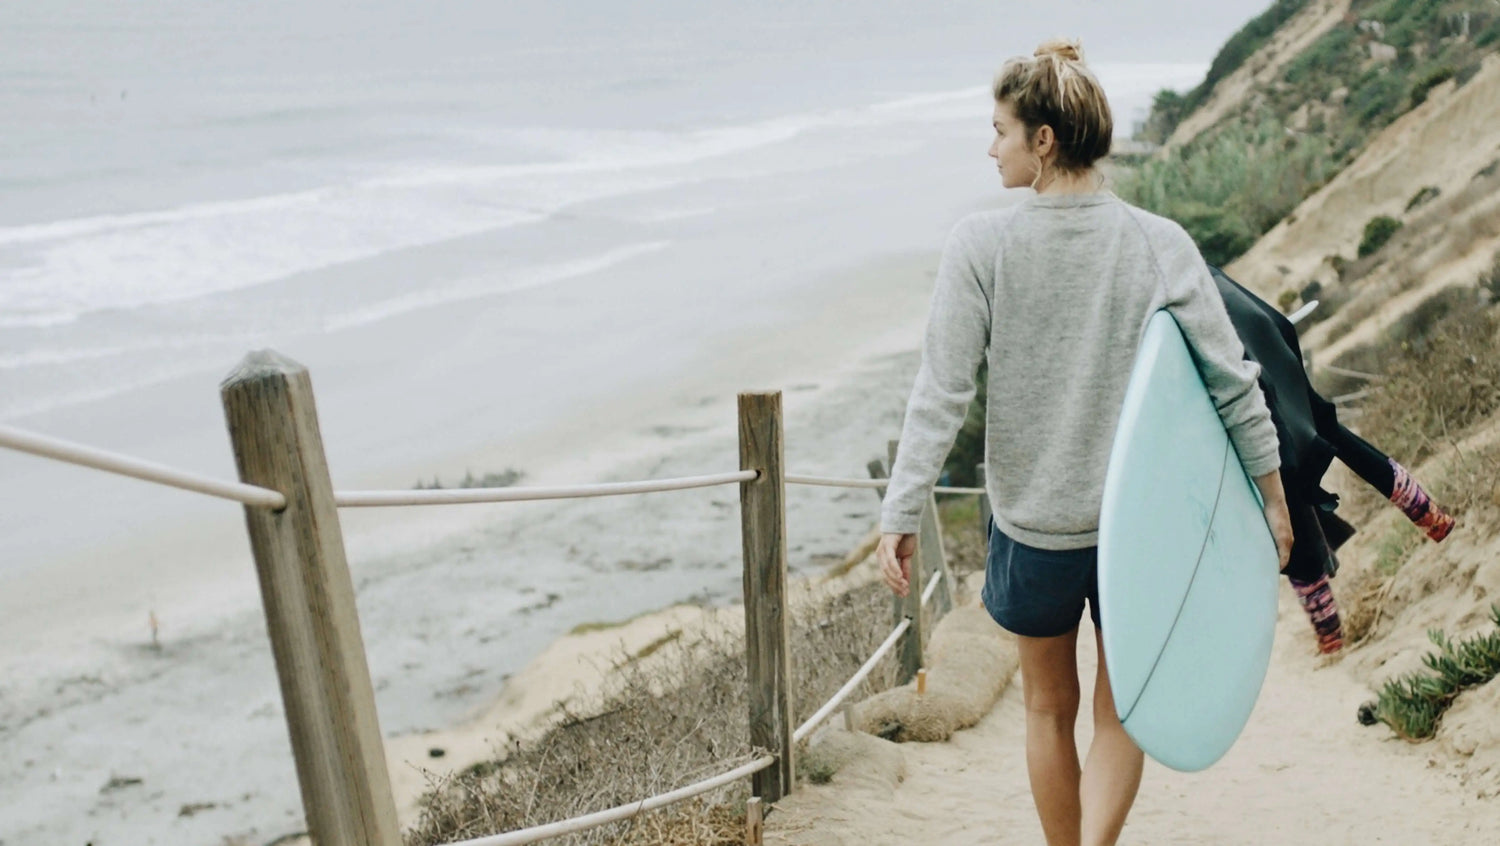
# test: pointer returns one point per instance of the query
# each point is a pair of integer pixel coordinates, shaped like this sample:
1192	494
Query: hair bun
1070	51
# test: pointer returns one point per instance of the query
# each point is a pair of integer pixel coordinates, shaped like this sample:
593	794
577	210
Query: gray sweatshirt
1056	292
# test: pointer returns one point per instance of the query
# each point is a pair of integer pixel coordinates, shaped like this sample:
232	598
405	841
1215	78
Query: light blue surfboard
1187	565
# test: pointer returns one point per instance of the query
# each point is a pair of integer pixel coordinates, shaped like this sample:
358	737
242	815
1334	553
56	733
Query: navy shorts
1039	592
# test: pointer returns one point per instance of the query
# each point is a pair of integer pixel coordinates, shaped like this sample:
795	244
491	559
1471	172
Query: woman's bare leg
1112	774
1049	680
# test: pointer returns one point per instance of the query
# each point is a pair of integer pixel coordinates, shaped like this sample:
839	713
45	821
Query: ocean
164	162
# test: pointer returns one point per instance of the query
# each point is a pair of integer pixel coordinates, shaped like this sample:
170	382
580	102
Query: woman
1056	292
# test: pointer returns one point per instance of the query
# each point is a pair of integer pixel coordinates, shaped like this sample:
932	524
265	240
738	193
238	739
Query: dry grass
678	718
1442	375
1465	481
668	722
1441	366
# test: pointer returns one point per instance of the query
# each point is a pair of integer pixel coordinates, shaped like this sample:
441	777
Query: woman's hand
894	556
1280	522
1278	518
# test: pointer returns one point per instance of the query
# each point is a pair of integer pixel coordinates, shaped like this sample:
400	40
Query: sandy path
1303	772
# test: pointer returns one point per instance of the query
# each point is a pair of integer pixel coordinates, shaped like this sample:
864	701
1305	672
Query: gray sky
1136	30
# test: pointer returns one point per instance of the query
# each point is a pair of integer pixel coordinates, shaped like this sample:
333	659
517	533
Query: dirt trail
1303	772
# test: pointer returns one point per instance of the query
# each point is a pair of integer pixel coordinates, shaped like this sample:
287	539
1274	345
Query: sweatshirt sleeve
1232	380
957	335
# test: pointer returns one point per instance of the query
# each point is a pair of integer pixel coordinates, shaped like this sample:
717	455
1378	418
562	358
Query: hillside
1398	238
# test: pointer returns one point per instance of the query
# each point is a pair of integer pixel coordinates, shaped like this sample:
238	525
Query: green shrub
1412	704
1423	196
1397	546
1222	233
504	479
1489	35
1331	54
968	446
1407	21
1377	97
1377	232
1168	108
1229	186
1166	114
1433	78
1250	37
1489	281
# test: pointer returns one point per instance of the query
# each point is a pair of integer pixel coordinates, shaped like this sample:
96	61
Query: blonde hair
1053	87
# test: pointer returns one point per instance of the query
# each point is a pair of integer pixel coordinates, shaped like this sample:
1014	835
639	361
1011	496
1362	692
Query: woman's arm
1231	379
958	332
1278	518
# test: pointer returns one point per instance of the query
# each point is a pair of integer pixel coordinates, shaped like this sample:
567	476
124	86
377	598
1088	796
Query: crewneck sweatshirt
1056	292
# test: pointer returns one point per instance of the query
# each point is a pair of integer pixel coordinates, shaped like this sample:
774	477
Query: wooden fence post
309	602
763	523
984	501
935	557
910	646
755	828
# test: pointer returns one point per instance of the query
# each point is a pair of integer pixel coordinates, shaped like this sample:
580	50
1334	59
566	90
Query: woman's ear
1043	141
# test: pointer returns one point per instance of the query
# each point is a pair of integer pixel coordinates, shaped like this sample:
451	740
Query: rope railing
932	585
268	498
456	496
624	812
619	812
871	484
85	456
812	723
123	465
824	481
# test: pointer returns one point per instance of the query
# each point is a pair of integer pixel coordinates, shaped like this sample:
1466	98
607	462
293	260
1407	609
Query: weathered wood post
909	648
980	480
935	557
755	828
763	523
309	602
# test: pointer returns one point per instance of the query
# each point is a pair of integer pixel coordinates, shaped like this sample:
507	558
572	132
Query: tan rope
123	465
371	499
838	698
873	484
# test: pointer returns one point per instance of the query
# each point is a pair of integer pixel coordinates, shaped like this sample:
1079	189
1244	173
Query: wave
535	278
66	356
17	408
56	271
